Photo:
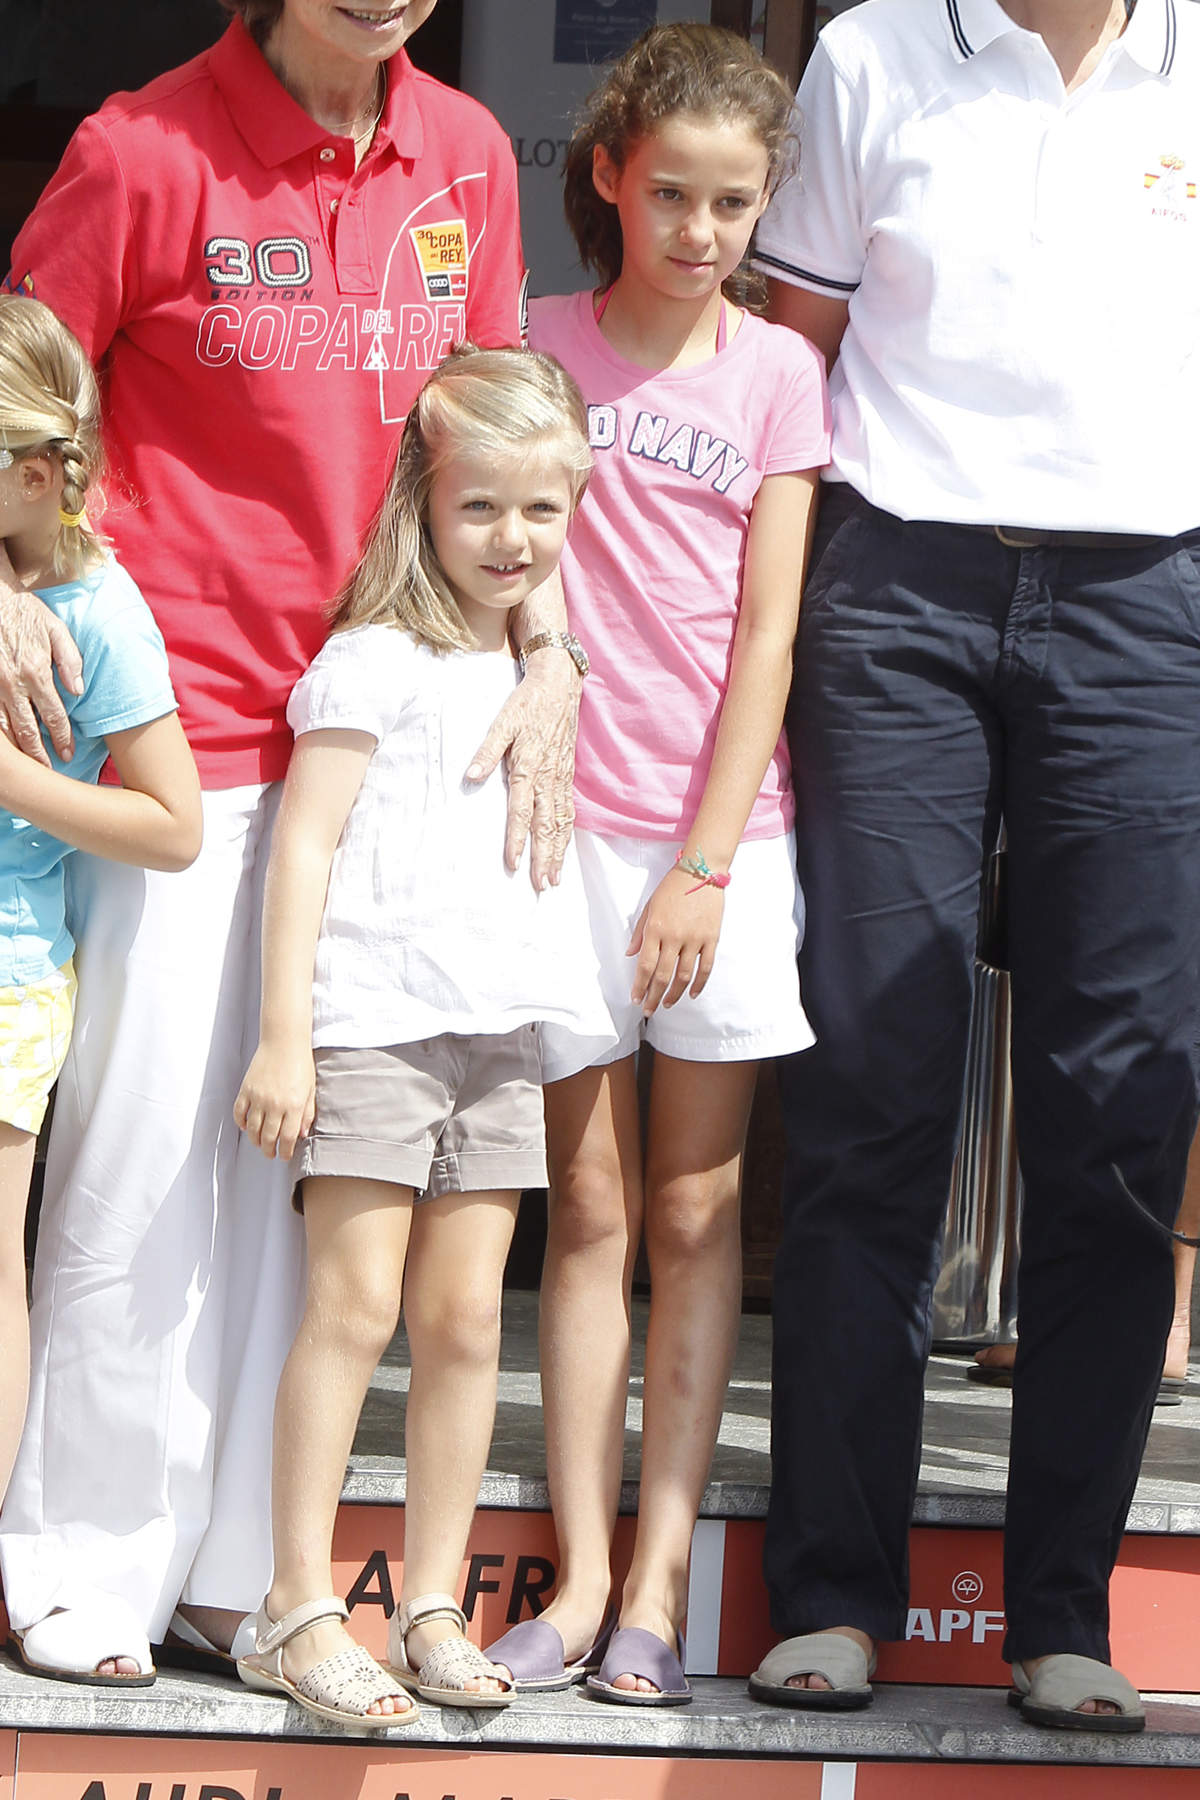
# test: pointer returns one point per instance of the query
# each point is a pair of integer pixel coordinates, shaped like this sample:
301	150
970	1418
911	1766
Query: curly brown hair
258	16
702	70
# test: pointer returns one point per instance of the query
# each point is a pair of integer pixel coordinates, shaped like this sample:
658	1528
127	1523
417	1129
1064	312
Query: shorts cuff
579	1053
28	1118
748	1046
475	1171
363	1159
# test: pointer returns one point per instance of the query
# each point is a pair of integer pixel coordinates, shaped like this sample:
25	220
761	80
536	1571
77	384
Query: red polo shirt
263	315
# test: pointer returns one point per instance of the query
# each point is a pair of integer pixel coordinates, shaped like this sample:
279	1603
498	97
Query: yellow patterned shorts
35	1032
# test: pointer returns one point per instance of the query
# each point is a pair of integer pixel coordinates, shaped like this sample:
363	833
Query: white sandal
340	1687
446	1670
71	1643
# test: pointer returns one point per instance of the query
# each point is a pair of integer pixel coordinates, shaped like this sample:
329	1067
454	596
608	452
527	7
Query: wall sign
595	31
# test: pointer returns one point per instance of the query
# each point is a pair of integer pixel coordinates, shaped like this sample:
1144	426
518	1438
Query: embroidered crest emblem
442	258
1170	187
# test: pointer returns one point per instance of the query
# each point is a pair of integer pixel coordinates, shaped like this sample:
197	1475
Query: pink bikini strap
600	307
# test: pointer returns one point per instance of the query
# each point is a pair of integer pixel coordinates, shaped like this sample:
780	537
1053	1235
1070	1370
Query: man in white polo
997	223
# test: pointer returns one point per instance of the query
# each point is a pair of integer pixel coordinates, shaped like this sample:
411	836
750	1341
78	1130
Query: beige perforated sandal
452	1662
340	1687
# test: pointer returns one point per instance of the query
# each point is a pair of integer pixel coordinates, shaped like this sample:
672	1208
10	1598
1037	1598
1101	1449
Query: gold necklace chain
347	130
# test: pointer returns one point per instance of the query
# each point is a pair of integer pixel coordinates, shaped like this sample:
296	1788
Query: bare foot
1179	1345
818	1682
997	1356
1175	1362
1088	1706
216	1623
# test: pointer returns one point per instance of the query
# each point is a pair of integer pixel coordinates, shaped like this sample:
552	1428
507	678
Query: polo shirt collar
401	123
276	127
1149	37
974	24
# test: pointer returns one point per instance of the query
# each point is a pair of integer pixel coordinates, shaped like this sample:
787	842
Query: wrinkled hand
675	941
32	644
276	1102
536	730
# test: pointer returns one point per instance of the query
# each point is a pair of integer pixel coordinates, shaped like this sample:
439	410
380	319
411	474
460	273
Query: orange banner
956	1610
83	1768
508	1572
955	1620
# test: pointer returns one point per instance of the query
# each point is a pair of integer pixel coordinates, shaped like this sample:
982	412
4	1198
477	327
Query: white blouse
425	931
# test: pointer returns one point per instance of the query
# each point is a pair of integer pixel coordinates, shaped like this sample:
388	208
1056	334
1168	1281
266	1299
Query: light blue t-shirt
126	683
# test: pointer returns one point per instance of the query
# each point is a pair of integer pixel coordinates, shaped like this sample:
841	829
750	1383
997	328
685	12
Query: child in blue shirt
49	452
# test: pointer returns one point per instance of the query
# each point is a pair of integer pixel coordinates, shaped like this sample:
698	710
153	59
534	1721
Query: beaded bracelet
705	877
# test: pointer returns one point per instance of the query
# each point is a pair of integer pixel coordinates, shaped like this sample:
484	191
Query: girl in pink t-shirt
683	579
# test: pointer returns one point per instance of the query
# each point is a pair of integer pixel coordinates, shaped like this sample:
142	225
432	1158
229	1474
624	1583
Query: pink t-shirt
653	564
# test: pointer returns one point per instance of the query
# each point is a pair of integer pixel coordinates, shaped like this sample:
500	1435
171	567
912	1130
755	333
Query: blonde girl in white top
399	1032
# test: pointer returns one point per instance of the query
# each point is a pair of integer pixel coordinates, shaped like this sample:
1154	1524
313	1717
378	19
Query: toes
393	1704
485	1684
634	1684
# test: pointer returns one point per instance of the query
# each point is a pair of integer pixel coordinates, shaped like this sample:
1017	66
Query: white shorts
750	1007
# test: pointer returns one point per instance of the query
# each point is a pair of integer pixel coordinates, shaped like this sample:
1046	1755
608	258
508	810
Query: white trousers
168	1279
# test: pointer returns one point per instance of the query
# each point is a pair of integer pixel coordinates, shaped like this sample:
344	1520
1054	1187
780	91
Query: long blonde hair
495	404
49	402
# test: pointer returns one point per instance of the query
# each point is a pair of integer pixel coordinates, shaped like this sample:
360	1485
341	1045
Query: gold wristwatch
554	640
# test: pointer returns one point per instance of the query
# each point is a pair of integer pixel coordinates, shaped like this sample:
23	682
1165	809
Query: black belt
1017	537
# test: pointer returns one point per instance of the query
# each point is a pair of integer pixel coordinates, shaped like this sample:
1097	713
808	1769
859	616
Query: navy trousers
944	680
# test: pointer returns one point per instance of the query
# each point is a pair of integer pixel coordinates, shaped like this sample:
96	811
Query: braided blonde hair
501	404
49	402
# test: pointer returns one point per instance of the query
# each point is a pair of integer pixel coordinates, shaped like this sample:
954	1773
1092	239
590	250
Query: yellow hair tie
70	520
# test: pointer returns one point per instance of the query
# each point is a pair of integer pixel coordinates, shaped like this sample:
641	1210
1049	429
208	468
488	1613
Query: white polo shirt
1022	264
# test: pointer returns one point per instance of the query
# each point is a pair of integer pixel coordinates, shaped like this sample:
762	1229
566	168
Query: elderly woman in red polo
264	251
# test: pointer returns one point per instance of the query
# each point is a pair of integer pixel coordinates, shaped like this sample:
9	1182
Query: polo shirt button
333	205
327	155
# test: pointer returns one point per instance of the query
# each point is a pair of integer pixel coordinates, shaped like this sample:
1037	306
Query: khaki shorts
447	1115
